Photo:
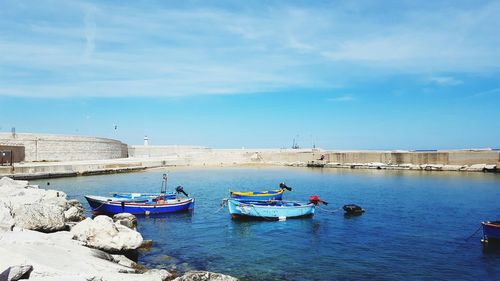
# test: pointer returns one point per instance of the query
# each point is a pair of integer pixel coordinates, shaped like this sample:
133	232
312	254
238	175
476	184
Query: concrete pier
57	156
468	161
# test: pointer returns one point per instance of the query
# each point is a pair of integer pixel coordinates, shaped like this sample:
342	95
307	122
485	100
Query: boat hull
491	230
265	210
262	195
101	205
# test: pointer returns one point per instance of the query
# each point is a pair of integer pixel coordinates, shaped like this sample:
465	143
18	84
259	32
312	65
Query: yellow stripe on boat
262	193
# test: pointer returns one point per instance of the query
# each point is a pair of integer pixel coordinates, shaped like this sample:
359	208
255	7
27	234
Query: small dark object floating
352	209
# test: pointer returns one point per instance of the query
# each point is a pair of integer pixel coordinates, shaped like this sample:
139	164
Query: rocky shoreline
45	236
413	167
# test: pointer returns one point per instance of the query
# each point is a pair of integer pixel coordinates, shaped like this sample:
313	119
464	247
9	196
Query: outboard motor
314	199
283	186
180	189
352	209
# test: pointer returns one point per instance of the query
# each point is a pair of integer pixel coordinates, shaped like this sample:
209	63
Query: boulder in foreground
39	217
126	219
16	272
103	234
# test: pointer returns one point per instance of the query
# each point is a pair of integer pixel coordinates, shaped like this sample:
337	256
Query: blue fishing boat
491	231
142	203
261	195
158	205
269	209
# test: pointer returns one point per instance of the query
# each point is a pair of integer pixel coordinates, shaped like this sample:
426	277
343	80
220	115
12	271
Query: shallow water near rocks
415	226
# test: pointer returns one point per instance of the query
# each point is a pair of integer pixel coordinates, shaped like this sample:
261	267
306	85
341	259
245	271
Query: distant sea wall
207	156
45	147
48	156
162	150
187	155
452	157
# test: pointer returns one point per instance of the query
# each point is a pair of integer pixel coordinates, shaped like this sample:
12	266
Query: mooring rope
467	239
221	207
329	211
93	209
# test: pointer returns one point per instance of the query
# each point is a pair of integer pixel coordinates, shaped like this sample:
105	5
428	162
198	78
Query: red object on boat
314	199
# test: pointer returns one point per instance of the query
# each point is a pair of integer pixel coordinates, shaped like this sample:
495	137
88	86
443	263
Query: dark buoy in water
352	209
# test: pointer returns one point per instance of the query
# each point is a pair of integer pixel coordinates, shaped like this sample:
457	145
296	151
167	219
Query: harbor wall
59	155
452	157
162	150
207	156
45	147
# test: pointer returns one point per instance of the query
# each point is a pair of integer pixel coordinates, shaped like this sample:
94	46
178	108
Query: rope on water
328	211
467	239
221	207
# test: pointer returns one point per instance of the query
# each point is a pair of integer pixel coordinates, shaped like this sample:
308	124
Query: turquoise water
414	227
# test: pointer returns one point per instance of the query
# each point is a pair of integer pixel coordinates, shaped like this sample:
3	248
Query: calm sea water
414	227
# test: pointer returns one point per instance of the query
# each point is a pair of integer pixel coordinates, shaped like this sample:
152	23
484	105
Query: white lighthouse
146	141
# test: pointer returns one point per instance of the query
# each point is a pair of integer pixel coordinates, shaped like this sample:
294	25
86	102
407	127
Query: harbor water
415	226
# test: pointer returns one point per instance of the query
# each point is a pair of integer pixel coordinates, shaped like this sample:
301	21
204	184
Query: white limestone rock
476	168
6	219
433	167
376	165
56	256
54	197
159	274
415	167
491	167
123	260
16	272
453	167
74	214
7	182
102	233
75	211
126	219
39	217
15	193
204	276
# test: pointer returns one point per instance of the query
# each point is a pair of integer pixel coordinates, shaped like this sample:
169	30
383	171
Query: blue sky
339	74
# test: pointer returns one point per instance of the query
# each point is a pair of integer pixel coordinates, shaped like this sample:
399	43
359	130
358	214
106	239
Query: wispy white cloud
90	30
490	92
445	81
98	49
344	98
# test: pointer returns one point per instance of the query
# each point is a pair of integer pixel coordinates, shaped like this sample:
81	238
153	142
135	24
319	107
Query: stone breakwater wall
432	160
452	157
139	151
202	156
45	147
144	157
